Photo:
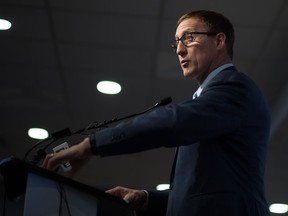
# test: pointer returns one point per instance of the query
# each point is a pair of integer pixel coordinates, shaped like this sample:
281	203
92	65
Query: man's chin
188	74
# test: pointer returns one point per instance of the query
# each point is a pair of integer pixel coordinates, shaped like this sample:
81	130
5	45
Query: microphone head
164	101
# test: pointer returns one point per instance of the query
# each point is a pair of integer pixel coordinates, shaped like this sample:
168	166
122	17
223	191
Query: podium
50	194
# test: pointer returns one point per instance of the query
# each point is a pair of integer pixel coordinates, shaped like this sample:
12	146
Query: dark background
56	52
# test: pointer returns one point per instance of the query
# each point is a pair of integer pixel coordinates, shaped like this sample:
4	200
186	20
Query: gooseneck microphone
163	102
41	153
94	125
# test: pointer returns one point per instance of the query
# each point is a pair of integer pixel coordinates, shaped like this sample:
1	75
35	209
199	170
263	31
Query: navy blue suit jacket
221	138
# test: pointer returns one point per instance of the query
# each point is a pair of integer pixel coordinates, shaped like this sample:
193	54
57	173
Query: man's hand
77	155
135	198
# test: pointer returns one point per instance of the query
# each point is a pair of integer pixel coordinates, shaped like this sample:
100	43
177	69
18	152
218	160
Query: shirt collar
210	77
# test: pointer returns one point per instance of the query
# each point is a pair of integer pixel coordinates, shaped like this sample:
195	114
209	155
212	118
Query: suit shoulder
235	76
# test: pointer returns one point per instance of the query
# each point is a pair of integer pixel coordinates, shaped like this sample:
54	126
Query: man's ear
220	40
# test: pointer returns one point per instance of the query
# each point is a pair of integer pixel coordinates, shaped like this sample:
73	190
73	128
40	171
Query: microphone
41	153
162	102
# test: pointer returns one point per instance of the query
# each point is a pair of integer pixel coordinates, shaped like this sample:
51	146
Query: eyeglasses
188	38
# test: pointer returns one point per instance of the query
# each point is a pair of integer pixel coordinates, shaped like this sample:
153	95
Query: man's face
198	59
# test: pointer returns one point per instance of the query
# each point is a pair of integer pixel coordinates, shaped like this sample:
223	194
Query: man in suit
220	135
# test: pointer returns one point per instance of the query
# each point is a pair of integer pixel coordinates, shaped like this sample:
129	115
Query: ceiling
56	52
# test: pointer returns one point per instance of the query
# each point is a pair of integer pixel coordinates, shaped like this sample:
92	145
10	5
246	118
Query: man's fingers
53	160
117	191
135	198
47	161
128	198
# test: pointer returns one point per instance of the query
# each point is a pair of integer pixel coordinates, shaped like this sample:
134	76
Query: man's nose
181	49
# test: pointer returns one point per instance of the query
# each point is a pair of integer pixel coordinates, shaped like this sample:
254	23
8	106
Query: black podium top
15	172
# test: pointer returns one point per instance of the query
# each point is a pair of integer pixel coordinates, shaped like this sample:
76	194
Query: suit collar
210	77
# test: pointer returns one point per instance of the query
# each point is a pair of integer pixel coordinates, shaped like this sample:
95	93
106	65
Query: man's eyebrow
184	32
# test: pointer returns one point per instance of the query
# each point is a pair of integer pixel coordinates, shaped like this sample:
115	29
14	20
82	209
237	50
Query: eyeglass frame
174	44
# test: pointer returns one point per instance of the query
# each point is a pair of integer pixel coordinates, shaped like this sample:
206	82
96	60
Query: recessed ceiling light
5	24
38	133
108	87
278	208
161	187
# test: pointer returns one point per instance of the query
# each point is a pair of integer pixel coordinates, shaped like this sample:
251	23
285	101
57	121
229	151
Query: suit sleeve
157	204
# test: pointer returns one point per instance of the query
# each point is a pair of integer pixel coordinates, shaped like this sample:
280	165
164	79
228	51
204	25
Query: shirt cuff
145	205
93	145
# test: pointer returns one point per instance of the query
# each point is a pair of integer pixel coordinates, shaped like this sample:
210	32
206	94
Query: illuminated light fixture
278	208
108	87
38	133
161	187
5	24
